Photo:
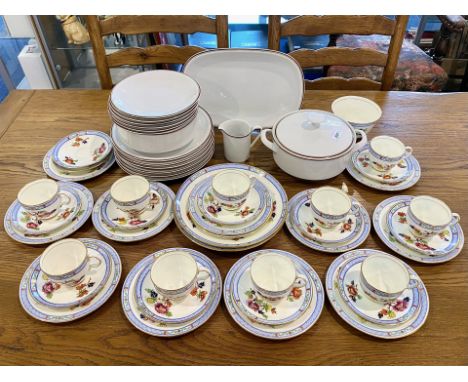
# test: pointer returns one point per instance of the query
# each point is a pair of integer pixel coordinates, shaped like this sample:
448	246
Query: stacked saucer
49	299
352	230
350	285
79	156
46	211
159	131
393	225
159	311
286	312
230	207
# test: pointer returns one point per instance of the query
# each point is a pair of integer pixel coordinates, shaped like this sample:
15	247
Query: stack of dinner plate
159	130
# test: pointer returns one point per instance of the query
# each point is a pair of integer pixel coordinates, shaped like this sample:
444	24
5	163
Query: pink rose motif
135	222
48	287
401	305
102	148
253	305
161	308
32	225
211	209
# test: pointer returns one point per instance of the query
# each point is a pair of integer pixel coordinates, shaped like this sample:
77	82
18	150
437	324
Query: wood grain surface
436	125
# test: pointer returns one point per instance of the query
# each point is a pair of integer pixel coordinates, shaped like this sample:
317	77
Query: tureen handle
266	141
360	145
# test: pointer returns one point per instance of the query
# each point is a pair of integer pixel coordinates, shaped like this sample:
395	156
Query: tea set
228	207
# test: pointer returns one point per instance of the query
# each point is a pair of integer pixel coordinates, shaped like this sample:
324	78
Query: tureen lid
314	133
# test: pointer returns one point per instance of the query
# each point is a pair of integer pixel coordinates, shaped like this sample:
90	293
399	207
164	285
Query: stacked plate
208	223
79	156
159	131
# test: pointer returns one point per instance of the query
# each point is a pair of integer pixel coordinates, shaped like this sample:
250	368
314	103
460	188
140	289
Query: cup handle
203	274
363	142
97	265
259	129
300	282
414	282
455	219
65	198
408	151
266	141
354	208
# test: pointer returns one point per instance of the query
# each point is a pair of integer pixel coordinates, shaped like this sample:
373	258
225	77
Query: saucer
28	224
371	328
214	212
118	219
58	315
81	150
160	329
137	234
349	285
362	218
209	240
169	311
445	242
275	332
390	186
201	218
55	295
402	171
379	220
265	311
304	219
66	175
86	207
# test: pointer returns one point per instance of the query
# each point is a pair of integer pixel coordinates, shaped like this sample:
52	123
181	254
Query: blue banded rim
392	332
384	158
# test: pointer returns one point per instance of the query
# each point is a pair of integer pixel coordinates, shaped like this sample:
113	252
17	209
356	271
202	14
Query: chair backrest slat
339	83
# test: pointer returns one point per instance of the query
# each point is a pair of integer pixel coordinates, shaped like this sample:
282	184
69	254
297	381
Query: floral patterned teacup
274	276
386	152
42	198
428	216
131	194
231	188
384	278
67	262
175	274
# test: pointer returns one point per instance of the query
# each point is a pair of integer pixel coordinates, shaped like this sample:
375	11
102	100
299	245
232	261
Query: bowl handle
266	141
360	145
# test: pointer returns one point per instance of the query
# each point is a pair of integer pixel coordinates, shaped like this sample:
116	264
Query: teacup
330	205
428	216
131	194
274	276
236	139
384	278
67	262
360	112
176	274
386	152
231	188
42	198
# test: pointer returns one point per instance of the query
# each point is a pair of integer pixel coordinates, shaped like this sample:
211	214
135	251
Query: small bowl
360	112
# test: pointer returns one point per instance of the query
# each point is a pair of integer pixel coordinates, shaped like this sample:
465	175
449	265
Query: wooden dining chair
331	55
154	54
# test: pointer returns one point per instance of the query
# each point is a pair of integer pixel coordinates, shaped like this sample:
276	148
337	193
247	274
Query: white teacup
360	112
386	152
131	194
42	198
231	188
330	205
274	276
176	274
67	262
384	278
428	216
236	139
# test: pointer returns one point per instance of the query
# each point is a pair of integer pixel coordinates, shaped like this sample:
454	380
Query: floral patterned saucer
121	220
200	216
214	212
399	311
373	329
55	295
28	224
84	211
217	242
58	315
265	311
276	332
123	235
392	185
380	223
81	150
66	175
160	329
397	174
299	221
168	311
441	244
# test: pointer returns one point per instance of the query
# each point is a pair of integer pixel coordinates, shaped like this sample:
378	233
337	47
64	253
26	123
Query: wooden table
436	125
